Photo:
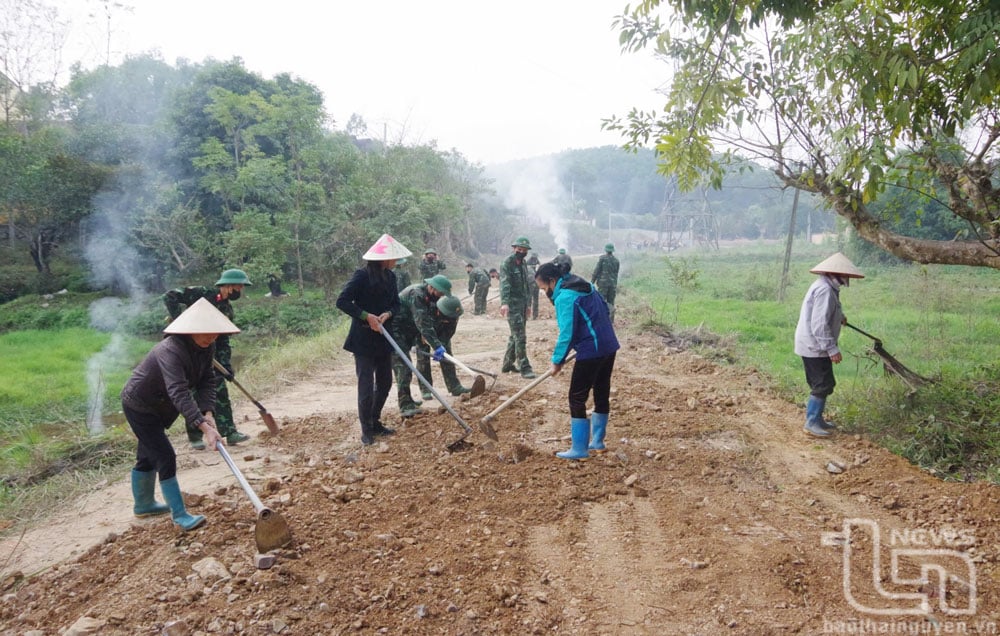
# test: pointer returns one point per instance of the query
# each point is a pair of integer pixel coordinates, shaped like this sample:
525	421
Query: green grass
939	321
44	375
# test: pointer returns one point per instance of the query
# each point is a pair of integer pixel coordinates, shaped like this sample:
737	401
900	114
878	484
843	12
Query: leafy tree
847	99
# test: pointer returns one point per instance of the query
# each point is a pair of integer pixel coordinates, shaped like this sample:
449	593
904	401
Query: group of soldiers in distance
518	299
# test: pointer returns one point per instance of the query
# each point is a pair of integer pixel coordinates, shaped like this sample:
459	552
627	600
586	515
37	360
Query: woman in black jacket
371	300
175	378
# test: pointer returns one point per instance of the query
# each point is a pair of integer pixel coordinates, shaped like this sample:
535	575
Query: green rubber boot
172	493
143	490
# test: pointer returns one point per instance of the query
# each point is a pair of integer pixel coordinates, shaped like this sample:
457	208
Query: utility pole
788	249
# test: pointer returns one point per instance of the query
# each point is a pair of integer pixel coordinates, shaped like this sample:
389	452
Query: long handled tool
487	430
272	426
527	387
271	531
478	382
892	365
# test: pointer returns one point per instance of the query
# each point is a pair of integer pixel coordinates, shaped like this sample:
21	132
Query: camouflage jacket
177	300
606	272
430	269
402	279
514	283
416	314
478	276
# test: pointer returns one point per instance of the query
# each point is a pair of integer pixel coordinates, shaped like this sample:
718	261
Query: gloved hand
439	353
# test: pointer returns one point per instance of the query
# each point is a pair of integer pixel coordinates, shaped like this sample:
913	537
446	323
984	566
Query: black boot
381	429
367	433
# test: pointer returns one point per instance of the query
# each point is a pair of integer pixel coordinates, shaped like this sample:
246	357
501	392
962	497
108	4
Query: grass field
939	321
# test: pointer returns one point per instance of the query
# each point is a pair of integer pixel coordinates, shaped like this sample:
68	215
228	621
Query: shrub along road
712	513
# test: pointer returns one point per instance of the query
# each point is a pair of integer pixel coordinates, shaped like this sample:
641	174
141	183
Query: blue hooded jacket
584	324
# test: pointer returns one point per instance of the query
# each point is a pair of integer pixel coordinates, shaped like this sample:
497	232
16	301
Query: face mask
234	295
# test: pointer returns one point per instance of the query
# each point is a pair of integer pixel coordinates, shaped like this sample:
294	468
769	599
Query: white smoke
110	315
533	187
115	263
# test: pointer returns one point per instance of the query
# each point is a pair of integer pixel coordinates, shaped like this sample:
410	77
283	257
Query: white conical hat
386	249
838	264
202	317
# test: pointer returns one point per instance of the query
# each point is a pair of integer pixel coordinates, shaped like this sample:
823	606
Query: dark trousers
374	375
593	374
819	376
154	452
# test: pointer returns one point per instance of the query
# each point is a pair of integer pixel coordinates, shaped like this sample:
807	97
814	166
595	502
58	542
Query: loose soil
712	513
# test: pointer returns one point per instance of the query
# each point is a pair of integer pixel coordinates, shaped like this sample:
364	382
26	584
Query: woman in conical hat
371	299
817	334
175	378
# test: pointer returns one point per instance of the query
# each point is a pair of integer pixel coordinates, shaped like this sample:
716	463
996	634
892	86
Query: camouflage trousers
223	414
482	291
533	293
516	355
404	376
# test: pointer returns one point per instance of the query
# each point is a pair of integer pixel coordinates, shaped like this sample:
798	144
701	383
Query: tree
846	99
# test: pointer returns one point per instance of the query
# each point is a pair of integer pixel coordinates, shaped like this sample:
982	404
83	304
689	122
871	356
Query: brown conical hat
386	249
838	264
202	317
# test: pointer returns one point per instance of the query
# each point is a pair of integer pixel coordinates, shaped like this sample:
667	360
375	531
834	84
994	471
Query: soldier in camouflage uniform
415	325
533	264
448	311
402	275
514	306
479	284
605	276
430	266
563	260
227	288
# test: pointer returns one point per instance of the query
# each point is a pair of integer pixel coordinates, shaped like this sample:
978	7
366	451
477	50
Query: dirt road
711	514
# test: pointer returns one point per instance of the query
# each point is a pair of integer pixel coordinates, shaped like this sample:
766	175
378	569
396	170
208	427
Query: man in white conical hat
175	378
817	333
370	298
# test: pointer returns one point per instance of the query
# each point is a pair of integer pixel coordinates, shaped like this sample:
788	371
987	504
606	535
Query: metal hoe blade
271	530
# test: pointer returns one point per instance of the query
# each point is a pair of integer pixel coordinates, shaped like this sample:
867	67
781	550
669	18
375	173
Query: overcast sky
494	80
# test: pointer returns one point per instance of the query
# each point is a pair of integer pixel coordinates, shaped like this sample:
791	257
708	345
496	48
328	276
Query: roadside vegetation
939	321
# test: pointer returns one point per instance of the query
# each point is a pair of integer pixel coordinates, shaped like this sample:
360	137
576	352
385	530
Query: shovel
271	531
484	427
272	426
478	383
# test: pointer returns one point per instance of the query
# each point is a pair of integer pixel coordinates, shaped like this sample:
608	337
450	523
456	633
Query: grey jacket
163	382
818	330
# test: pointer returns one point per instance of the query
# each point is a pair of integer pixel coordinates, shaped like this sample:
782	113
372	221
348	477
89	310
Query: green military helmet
610	247
233	277
521	241
450	306
440	283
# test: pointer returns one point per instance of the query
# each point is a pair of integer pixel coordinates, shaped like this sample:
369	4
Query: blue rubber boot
598	426
814	417
172	493
580	434
143	489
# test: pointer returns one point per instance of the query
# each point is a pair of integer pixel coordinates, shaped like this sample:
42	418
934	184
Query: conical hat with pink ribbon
386	249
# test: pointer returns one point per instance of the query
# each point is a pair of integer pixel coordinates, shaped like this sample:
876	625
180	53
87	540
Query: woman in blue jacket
584	326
